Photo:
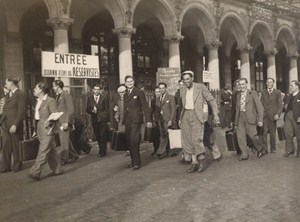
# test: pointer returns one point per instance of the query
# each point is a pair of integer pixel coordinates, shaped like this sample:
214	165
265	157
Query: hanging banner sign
69	65
208	76
170	76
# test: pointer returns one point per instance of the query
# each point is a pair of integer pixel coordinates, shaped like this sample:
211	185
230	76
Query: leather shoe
243	158
289	153
101	156
193	168
88	150
136	167
202	165
163	155
37	178
130	165
153	154
261	153
220	158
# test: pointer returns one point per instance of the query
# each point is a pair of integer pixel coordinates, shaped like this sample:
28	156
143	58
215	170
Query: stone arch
264	33
231	20
159	9
205	22
286	37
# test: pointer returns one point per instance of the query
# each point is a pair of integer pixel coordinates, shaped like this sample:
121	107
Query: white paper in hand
55	116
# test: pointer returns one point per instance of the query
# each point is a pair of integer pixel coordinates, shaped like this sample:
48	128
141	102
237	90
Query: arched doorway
98	39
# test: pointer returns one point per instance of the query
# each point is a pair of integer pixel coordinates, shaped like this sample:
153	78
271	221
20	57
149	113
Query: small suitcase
231	141
175	138
281	134
28	149
118	141
148	135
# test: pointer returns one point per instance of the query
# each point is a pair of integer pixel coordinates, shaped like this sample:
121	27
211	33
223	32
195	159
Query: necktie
10	93
270	91
96	99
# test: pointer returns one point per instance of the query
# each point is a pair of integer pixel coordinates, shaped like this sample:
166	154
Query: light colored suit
247	121
47	151
192	121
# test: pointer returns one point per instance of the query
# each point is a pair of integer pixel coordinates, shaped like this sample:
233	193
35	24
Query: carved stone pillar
245	64
271	70
174	52
125	54
213	63
199	67
293	73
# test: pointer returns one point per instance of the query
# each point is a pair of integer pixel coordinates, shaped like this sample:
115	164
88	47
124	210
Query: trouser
269	126
209	141
155	138
133	138
291	129
163	137
101	134
243	129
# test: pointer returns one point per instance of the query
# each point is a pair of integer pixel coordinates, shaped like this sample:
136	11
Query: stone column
199	67
245	65
213	63
271	69
174	52
293	73
61	39
125	53
227	70
13	59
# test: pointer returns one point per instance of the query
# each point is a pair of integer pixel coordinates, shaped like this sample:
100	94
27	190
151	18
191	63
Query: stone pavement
266	189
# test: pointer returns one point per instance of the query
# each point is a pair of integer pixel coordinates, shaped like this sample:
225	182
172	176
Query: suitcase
118	141
28	149
231	141
281	134
148	135
175	138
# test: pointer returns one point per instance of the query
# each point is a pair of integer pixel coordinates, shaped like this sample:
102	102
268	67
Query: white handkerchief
55	116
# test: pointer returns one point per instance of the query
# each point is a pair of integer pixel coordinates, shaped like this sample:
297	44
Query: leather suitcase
28	149
118	141
281	134
231	141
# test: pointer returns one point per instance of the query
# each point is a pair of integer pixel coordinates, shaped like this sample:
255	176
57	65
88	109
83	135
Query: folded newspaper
54	116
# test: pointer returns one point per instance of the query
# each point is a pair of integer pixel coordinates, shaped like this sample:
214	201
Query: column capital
293	56
124	32
60	23
244	50
271	53
214	44
174	38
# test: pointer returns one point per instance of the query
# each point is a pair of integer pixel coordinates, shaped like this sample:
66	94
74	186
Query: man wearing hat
192	119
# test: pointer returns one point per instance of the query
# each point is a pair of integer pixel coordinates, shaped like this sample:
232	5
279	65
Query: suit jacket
201	95
102	115
135	106
47	107
178	102
254	108
233	101
65	105
15	109
272	103
167	108
154	110
295	106
226	100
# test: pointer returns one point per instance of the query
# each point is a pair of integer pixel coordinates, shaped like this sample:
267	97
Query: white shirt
12	92
295	93
39	102
96	98
189	98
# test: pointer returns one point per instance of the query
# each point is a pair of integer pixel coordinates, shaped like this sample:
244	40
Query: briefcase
231	140
148	135
281	134
28	149
118	141
175	138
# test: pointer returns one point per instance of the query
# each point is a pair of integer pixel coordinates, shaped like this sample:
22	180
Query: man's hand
298	120
170	123
216	120
179	123
149	124
276	117
260	124
65	126
116	108
13	129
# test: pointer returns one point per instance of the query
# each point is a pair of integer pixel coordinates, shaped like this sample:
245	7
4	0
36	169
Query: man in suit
45	106
248	115
178	101
292	120
166	118
192	119
154	115
98	108
65	104
135	105
272	102
14	112
226	95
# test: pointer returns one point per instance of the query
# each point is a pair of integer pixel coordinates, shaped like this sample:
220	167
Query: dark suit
14	112
167	112
178	102
246	122
292	123
65	104
135	107
272	104
233	102
155	129
100	120
226	108
47	151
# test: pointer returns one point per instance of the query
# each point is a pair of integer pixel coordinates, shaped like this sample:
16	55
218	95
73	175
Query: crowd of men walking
193	109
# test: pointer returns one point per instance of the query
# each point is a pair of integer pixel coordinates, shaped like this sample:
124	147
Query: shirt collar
295	93
43	99
13	91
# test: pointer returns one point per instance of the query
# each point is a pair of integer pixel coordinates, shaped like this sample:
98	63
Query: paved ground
266	189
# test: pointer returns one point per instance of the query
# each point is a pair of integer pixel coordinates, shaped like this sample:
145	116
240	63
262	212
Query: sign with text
170	76
208	76
69	65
